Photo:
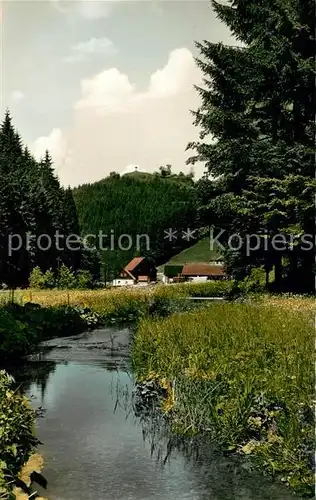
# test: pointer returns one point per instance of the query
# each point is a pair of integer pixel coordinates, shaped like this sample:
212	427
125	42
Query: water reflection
96	446
37	374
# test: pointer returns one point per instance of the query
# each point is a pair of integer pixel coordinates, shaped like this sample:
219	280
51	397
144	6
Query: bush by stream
17	440
241	374
22	328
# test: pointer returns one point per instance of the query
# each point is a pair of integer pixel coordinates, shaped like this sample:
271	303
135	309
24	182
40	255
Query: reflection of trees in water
115	365
36	372
156	427
157	431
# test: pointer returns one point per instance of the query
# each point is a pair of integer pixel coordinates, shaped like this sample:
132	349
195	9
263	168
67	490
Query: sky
105	85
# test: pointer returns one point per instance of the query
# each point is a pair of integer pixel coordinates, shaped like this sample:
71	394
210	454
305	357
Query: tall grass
111	300
243	373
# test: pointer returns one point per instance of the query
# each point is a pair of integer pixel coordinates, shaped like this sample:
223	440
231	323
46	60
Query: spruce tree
16	210
258	105
71	257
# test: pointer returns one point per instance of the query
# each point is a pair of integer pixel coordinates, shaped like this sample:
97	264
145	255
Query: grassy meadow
111	299
200	252
242	373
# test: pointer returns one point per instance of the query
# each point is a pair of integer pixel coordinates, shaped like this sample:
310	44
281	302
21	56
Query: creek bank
153	396
24	327
27	329
17	441
33	324
90	430
22	330
241	375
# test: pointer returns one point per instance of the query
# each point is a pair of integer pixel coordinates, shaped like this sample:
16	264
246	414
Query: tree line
32	203
34	208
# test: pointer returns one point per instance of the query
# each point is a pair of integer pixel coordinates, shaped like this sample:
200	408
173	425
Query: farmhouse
197	271
139	271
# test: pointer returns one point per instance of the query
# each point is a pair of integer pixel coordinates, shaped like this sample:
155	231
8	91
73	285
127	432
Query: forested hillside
137	204
33	208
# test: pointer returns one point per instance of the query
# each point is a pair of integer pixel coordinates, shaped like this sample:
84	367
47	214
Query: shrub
37	279
49	279
40	280
255	282
66	278
84	279
22	328
16	437
17	338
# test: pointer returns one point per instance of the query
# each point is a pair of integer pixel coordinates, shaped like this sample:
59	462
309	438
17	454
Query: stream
95	447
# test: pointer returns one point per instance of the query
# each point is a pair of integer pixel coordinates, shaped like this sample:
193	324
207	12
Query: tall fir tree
16	207
72	255
258	105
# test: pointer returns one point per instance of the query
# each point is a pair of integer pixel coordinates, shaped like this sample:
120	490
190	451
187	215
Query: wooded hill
137	204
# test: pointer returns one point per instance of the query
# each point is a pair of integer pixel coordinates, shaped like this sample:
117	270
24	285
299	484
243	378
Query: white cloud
176	75
112	91
115	123
94	46
54	142
17	95
109	90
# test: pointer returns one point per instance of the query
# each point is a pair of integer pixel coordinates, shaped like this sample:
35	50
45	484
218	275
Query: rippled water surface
95	448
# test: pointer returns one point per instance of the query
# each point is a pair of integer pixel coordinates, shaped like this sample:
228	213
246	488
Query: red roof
133	263
202	269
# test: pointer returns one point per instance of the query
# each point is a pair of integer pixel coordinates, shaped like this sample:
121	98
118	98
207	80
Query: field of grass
292	303
114	298
244	375
200	252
